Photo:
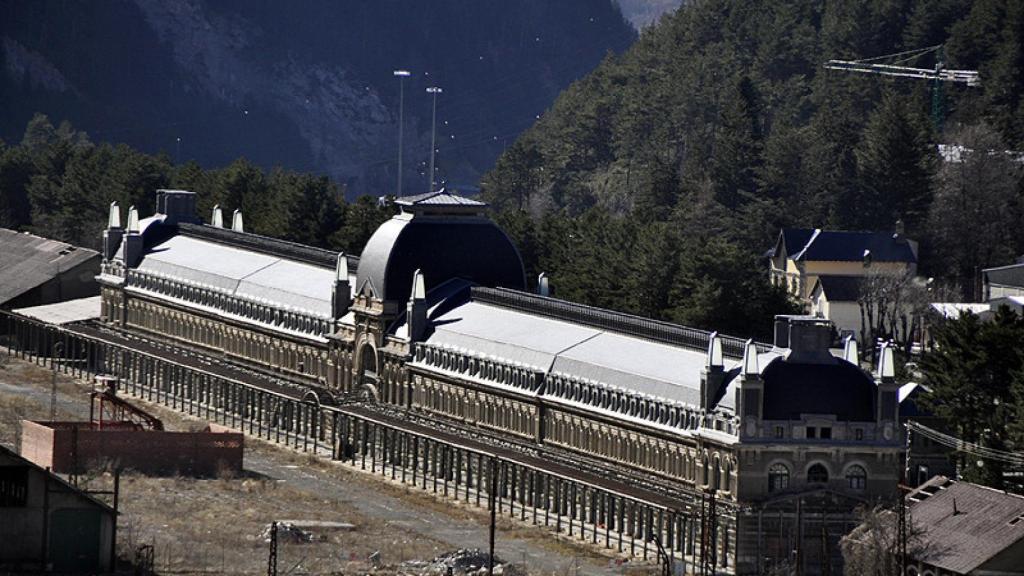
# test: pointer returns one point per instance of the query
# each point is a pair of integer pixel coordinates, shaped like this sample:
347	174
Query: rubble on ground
287	533
463	562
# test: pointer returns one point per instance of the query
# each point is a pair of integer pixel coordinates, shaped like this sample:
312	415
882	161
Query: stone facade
724	431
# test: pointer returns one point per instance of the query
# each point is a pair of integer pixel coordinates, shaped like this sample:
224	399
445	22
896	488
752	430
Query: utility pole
272	560
494	519
708	533
901	532
434	90
58	350
799	568
401	75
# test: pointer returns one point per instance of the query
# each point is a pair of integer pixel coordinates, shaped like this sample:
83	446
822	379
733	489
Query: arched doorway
369	382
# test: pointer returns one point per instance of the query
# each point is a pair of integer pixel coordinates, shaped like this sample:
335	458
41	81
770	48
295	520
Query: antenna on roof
236	221
543	285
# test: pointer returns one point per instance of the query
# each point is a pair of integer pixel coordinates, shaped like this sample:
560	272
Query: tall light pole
433	132
402	75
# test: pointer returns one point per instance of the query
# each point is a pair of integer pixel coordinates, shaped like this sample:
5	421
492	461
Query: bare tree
892	306
976	213
871	548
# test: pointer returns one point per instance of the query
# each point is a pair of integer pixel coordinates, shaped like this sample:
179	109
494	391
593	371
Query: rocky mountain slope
307	86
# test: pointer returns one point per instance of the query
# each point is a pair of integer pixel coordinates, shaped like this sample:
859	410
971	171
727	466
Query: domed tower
436	238
444	236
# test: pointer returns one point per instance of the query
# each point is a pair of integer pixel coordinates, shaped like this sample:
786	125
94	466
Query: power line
1014	458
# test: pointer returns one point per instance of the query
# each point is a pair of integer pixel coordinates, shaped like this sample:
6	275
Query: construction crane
939	73
891	65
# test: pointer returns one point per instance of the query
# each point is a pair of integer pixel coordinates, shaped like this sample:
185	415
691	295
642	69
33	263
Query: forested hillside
657	182
57	183
308	85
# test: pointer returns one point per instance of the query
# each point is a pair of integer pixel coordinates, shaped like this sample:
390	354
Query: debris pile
287	532
467	562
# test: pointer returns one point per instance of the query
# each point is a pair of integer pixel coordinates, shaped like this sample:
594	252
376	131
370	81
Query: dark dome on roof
840	388
442	247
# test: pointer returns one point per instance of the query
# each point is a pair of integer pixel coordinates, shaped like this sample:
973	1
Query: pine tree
894	168
737	157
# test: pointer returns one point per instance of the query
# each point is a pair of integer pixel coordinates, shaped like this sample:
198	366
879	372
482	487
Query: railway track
501	444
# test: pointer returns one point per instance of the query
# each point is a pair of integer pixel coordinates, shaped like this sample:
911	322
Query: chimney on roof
133	240
749	393
236	221
176	206
850	352
808	339
885	383
217	217
543	285
416	311
713	375
341	294
781	331
113	235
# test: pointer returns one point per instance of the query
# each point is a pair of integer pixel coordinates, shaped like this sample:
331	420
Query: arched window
778	478
856	478
817	474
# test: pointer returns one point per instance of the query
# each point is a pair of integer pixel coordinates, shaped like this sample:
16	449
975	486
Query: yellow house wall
831	268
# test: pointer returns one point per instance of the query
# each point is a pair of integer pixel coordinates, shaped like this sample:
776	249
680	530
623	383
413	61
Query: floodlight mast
401	75
434	90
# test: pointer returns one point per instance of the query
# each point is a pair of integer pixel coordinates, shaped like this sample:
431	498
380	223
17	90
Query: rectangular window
826	433
13	486
779	431
812	432
858	434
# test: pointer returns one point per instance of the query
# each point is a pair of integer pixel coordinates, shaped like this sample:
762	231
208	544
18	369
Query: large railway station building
433	321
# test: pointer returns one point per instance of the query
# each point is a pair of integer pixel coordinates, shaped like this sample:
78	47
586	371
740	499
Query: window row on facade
474	407
642	451
192	329
856	477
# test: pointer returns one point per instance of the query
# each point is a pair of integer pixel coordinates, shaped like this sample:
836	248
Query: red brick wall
145	451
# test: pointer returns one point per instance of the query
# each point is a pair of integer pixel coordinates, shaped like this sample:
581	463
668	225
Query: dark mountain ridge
308	87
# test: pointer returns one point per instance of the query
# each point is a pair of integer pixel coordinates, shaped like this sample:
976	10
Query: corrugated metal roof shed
28	261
